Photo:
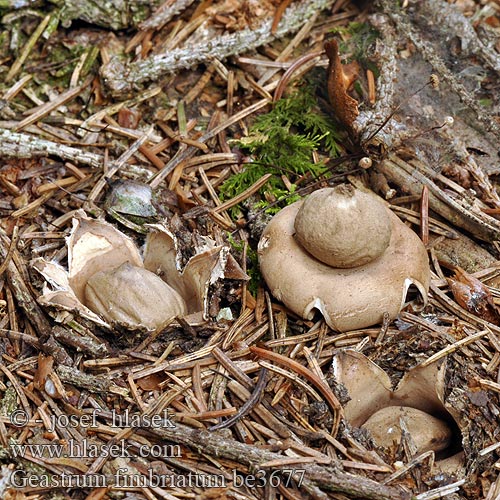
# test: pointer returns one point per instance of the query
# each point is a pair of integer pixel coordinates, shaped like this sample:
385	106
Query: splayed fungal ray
111	284
352	263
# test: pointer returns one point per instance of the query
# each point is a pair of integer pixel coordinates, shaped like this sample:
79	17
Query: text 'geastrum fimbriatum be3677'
343	252
111	284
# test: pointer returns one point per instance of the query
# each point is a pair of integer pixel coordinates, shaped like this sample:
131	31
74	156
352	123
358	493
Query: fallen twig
413	175
16	145
121	79
248	405
327	478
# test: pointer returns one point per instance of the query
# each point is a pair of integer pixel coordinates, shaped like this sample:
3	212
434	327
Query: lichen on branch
122	77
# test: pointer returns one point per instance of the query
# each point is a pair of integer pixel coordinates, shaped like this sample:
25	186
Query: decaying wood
367	126
380	130
123	78
328	478
462	252
79	339
84	380
458	210
449	19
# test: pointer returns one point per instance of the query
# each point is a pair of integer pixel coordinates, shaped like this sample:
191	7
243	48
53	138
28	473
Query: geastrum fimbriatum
343	252
415	406
111	284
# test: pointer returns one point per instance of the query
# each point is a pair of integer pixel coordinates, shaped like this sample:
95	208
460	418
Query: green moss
8	403
283	142
52	26
282	196
90	59
4	43
253	269
62	61
358	38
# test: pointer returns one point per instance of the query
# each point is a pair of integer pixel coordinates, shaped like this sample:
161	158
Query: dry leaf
150	382
344	106
44	368
474	296
129	118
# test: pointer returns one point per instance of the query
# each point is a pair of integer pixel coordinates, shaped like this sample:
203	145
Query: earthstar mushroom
343	252
110	283
132	295
427	432
418	399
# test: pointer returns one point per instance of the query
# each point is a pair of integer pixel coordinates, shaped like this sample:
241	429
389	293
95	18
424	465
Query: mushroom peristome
351	297
336	209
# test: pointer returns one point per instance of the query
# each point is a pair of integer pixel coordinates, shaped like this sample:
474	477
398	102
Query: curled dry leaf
344	106
474	296
44	368
109	283
373	399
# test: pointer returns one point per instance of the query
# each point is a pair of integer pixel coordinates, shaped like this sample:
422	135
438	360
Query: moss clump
8	403
282	142
356	42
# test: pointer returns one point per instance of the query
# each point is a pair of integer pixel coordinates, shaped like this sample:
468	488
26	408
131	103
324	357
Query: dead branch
329	478
122	78
16	145
164	13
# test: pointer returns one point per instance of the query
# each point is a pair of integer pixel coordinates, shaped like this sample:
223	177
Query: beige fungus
109	283
361	228
350	298
427	432
417	404
132	295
